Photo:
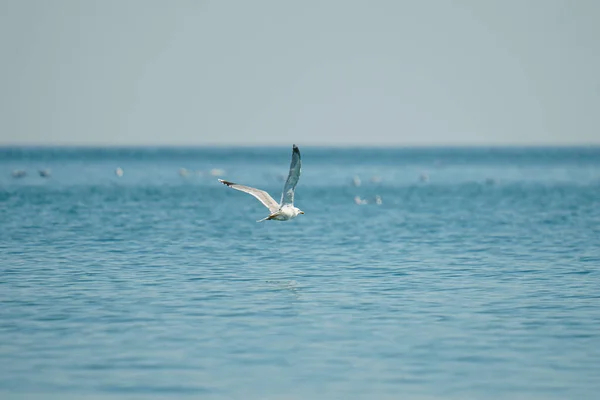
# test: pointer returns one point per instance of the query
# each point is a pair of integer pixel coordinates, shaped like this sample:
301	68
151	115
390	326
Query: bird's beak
301	212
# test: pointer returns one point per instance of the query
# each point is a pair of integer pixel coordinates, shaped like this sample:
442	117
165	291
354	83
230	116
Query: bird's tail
268	218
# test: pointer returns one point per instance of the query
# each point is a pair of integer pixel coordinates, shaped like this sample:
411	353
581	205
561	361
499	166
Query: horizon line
313	145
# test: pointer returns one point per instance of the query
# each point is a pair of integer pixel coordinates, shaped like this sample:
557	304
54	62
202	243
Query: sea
415	273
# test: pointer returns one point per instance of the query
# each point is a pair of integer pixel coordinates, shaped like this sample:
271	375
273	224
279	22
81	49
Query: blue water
480	282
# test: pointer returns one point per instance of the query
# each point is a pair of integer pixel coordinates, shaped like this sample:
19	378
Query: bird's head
298	211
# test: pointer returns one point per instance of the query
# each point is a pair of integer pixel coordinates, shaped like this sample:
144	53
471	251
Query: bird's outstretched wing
261	195
287	197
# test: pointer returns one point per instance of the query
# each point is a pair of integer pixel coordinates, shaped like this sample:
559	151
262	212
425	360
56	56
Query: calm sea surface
477	277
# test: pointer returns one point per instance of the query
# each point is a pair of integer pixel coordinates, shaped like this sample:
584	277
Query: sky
329	72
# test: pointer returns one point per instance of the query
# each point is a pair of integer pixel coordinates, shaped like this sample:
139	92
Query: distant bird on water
285	210
19	173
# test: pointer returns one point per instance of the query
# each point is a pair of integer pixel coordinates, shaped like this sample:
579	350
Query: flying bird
285	210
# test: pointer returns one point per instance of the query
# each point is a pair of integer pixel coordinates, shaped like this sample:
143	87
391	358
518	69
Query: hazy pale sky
180	72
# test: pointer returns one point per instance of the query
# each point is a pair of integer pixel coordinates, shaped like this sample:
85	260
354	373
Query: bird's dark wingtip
295	148
226	182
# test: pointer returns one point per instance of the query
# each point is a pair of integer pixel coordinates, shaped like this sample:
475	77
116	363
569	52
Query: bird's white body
285	210
285	213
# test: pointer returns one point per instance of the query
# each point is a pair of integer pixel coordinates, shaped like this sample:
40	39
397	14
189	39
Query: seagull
285	210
